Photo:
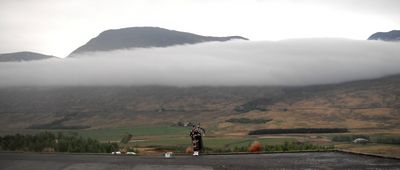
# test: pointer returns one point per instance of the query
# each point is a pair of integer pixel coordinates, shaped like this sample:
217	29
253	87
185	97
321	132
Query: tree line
289	146
298	130
248	121
54	142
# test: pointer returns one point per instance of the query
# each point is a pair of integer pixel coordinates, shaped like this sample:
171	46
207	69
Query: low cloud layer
289	62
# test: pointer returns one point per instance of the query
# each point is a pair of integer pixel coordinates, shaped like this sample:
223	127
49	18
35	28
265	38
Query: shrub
255	147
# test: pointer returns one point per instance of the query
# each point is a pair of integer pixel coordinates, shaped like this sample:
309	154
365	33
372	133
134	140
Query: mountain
365	104
144	37
23	56
393	35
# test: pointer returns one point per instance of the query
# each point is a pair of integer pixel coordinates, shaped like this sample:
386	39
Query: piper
197	141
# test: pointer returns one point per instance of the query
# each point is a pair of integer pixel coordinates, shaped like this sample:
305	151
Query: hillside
366	104
362	104
23	56
393	35
144	37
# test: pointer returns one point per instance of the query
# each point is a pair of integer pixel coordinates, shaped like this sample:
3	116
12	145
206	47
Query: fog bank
288	62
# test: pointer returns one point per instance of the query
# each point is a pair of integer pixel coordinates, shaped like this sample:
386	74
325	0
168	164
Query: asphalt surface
315	160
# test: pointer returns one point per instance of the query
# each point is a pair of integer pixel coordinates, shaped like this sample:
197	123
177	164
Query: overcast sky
57	27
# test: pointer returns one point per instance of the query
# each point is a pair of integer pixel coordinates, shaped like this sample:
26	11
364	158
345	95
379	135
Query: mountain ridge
144	37
393	35
23	56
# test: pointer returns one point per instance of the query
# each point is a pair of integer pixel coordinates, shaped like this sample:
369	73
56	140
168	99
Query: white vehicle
116	153
130	153
169	155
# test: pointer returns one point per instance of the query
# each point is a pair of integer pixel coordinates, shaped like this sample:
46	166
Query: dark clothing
197	140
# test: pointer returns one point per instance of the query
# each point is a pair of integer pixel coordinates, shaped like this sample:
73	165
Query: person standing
197	141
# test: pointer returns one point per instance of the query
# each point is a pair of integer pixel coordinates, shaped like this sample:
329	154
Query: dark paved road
327	160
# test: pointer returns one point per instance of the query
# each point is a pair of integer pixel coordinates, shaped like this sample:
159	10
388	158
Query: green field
211	142
166	135
173	138
116	134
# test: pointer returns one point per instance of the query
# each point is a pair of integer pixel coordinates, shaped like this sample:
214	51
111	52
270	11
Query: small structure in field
360	140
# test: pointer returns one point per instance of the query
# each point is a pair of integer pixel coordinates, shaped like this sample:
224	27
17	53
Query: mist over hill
144	37
292	83
234	63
